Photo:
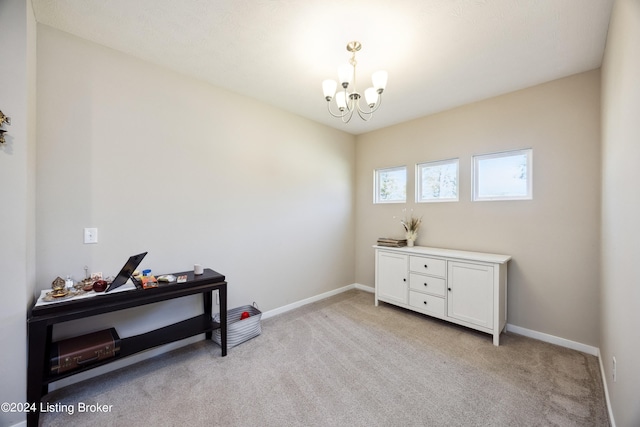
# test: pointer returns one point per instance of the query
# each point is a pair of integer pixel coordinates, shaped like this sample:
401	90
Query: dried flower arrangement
411	225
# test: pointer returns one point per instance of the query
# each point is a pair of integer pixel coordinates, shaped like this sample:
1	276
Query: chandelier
348	100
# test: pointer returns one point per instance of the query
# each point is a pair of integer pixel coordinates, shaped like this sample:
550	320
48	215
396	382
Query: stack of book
393	243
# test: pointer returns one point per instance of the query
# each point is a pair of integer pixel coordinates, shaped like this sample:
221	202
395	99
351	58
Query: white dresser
467	288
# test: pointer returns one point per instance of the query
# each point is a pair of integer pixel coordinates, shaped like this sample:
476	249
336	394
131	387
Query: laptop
126	272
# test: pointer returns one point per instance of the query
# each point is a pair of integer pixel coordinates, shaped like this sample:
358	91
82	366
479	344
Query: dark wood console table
41	319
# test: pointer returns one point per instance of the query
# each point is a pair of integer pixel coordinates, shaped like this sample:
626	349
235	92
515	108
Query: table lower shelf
148	340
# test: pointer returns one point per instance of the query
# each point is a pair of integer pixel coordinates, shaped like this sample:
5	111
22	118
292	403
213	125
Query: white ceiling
439	53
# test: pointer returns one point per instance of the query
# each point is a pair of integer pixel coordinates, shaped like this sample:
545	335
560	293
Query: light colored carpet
344	362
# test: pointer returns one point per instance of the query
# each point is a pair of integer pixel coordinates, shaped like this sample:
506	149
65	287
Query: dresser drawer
435	267
428	284
427	303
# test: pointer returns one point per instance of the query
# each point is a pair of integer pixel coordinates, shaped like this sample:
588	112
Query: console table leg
38	336
223	319
208	302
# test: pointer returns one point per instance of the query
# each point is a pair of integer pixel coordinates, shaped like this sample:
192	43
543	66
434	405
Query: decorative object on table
198	269
56	297
149	282
77	352
58	284
239	329
59	291
100	285
87	284
3	119
411	226
392	243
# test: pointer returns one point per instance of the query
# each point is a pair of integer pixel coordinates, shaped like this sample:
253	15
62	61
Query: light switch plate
90	235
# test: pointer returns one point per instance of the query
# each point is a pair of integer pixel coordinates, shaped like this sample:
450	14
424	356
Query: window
437	181
503	176
390	185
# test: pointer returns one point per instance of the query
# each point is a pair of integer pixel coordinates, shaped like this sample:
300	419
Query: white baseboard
320	297
364	288
563	342
606	391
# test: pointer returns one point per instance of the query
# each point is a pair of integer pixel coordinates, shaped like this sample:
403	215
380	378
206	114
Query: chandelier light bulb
348	99
371	96
341	100
379	79
329	89
345	74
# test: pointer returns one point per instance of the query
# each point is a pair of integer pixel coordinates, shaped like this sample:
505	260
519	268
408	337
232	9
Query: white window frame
377	186
419	169
477	159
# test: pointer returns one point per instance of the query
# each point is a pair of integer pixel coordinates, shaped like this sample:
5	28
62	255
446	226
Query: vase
410	242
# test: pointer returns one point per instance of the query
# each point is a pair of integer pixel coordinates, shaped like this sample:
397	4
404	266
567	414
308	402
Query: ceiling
439	54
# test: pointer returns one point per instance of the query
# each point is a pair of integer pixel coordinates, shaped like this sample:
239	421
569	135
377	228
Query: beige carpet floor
344	362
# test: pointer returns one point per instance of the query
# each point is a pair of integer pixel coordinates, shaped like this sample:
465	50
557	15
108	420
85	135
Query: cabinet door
391	277
470	293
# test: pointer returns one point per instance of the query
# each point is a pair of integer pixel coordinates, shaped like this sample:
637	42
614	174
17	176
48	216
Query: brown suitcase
74	353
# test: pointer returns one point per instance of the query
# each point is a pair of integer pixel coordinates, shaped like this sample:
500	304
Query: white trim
294	305
365	288
606	391
563	342
418	179
475	170
376	184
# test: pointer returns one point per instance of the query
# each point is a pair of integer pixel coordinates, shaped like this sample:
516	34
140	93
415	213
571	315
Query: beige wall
17	193
620	293
163	163
554	238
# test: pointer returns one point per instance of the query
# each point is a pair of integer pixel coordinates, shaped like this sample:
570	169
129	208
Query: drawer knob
425	284
425	303
449	289
404	280
426	266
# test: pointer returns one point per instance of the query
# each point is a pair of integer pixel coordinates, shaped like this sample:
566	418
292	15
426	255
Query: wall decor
3	119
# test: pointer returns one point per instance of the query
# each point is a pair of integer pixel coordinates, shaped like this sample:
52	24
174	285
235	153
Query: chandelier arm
371	110
361	110
362	115
367	115
377	103
347	113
